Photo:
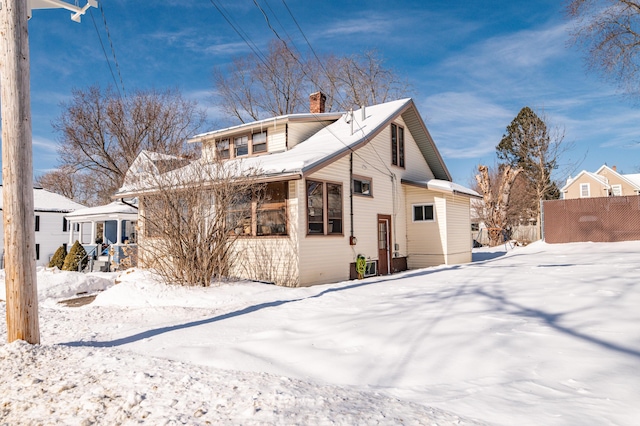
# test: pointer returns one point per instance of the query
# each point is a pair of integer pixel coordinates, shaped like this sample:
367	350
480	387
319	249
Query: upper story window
584	190
223	146
324	208
397	145
37	223
259	142
241	146
362	186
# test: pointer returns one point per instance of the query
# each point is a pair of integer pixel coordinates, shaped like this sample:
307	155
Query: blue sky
472	64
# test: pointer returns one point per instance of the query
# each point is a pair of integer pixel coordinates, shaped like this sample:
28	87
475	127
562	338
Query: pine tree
58	257
76	255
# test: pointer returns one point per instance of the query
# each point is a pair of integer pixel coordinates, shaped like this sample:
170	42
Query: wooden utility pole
17	179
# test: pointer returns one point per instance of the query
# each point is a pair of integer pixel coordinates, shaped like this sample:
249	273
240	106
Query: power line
113	76
113	51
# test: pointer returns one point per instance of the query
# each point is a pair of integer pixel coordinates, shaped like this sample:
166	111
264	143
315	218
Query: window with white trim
241	146
616	190
397	145
423	213
585	190
259	142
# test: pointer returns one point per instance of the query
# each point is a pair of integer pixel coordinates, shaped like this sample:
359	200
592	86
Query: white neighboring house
50	224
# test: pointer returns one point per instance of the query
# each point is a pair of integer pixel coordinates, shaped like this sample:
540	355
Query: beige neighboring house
605	182
368	182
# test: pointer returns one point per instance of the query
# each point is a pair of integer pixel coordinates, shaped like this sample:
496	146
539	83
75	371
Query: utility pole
17	179
17	166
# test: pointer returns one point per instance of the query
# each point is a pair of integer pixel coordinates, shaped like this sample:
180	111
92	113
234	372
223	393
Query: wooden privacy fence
602	219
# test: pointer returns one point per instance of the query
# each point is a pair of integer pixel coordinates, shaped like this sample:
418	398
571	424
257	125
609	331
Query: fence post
541	224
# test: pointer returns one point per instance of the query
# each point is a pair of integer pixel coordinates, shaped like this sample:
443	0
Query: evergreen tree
58	257
76	255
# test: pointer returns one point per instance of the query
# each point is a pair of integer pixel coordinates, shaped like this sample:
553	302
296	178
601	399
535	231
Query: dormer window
241	146
259	142
223	149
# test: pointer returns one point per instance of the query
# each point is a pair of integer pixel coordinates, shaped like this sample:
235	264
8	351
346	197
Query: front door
384	244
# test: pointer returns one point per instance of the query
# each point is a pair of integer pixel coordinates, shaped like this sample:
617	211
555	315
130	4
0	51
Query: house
105	231
50	223
369	182
605	182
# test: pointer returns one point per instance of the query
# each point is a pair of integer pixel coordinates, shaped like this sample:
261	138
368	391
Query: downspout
352	238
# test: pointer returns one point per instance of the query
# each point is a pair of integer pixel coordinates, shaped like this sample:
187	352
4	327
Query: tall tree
252	87
102	133
609	31
531	146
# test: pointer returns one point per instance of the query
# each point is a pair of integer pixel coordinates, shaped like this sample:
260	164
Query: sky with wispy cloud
472	65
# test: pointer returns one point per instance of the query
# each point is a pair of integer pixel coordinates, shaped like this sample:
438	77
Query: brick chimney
614	168
316	103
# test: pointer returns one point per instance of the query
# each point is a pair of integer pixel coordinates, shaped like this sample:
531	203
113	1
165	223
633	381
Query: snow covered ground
545	334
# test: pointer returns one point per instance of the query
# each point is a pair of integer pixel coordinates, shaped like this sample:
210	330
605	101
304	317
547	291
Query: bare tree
496	196
191	216
101	134
609	31
252	87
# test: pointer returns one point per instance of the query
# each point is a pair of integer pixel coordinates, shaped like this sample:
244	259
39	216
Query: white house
370	182
50	224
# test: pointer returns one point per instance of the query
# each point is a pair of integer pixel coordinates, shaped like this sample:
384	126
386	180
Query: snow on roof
290	117
634	178
443	186
345	134
46	201
114	208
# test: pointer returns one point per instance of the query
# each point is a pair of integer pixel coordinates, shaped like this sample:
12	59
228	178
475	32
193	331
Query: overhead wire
113	51
113	76
256	50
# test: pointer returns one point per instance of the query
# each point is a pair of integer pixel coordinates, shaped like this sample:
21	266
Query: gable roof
599	179
46	201
347	133
633	180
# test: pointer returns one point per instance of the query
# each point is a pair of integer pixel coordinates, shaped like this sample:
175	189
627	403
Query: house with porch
369	183
107	233
50	225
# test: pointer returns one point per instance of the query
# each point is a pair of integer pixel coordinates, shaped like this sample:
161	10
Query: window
222	146
37	251
259	142
423	213
397	145
37	223
65	225
241	145
616	190
362	186
261	214
324	208
584	190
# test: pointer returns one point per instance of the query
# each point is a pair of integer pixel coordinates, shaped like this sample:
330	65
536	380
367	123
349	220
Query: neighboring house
50	224
369	182
605	182
104	231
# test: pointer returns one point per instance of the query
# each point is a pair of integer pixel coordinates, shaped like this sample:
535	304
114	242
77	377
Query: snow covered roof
46	201
327	116
116	208
349	132
443	186
634	178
